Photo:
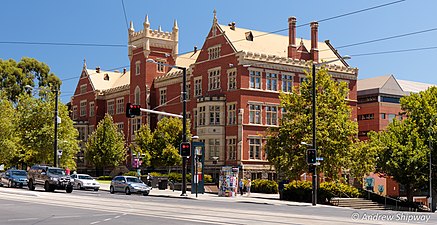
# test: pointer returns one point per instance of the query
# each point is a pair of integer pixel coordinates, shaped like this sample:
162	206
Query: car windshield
19	173
133	180
85	177
57	172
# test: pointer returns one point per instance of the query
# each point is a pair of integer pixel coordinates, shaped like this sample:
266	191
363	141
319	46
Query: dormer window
214	52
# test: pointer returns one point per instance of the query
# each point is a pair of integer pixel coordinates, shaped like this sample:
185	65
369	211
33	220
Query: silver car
128	185
84	181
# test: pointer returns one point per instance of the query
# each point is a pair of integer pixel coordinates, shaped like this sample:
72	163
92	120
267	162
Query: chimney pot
195	49
292	53
124	70
98	69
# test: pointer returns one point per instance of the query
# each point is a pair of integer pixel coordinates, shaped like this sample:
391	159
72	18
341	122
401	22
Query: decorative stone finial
146	20
159	28
84	63
215	16
175	25
131	26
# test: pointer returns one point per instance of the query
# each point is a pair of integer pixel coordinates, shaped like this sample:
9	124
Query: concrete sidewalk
256	198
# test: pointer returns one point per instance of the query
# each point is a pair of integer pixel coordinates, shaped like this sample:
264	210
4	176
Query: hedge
264	186
131	173
301	191
177	177
104	178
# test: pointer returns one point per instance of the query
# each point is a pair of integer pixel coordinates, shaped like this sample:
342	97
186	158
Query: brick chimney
314	41
292	37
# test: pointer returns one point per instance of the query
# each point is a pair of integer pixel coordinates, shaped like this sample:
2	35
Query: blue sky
103	22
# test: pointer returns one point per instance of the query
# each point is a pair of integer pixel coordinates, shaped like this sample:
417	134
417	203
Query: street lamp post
55	142
431	205
184	119
314	144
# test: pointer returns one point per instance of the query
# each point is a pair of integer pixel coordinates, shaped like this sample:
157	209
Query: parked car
84	181
128	185
14	178
51	178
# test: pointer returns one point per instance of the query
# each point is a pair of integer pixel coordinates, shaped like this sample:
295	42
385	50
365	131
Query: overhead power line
62	44
394	51
125	17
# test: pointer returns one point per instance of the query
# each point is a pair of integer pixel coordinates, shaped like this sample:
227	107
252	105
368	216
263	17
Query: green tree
8	136
15	76
403	155
105	146
162	145
35	129
336	132
364	155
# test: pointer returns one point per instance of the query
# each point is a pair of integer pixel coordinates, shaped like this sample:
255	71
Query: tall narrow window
91	109
83	88
137	67
287	83
83	108
195	118
120	105
232	149
75	112
232	114
254	148
110	107
214	115
214	148
202	116
232	80
255	114
137	95
272	115
255	79
214	79
162	96
272	81
197	87
159	66
136	125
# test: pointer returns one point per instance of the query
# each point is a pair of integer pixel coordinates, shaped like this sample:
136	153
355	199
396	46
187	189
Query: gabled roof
389	85
116	79
272	44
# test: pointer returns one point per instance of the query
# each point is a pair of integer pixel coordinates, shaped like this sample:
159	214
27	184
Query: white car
85	181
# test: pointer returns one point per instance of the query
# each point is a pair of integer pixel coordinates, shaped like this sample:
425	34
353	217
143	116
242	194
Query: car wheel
69	189
79	187
9	184
127	191
146	193
47	186
30	185
96	189
111	190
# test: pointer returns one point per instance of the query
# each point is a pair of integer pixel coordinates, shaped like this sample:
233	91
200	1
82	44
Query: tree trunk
409	191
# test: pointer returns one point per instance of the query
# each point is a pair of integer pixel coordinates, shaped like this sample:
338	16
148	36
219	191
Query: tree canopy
105	146
161	145
14	77
336	132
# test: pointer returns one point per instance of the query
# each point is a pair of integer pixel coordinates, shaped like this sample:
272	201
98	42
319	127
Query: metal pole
197	176
432	207
314	180
184	129
55	142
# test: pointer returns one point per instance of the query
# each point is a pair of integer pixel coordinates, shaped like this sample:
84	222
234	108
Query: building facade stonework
233	84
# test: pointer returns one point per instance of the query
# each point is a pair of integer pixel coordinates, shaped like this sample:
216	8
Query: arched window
137	95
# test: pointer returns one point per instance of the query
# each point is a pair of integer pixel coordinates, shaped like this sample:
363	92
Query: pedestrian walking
241	186
248	184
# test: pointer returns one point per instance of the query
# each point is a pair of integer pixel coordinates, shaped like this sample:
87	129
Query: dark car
51	178
128	185
14	178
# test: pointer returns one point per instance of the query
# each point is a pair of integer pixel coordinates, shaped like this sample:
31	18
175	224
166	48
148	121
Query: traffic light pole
184	128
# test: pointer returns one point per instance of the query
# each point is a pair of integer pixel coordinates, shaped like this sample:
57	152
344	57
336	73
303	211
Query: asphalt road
21	206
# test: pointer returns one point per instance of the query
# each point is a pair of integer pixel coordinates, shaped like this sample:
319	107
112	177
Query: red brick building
233	85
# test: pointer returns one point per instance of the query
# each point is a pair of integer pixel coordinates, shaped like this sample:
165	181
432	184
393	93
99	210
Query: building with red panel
233	85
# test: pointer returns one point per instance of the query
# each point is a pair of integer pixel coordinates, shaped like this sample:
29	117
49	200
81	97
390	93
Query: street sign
59	152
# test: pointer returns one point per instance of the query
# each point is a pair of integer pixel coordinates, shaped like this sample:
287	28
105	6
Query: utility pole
55	142
184	129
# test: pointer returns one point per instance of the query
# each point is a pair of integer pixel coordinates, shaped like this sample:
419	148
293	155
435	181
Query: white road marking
96	222
22	219
65	217
116	217
107	219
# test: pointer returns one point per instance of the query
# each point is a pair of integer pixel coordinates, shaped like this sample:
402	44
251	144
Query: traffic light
311	156
185	149
132	110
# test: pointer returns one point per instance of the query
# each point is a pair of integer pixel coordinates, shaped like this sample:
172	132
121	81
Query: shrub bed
301	191
104	178
264	186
